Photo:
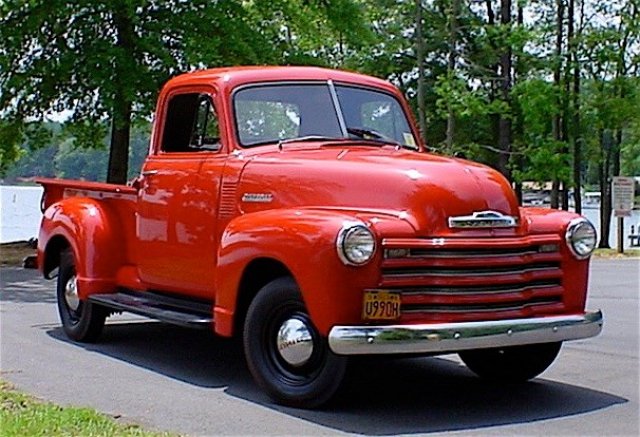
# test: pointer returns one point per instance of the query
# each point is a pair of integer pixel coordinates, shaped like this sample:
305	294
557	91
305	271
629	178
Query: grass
22	415
12	254
613	253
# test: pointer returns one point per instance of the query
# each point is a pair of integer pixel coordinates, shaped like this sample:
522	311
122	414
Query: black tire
82	322
511	364
308	384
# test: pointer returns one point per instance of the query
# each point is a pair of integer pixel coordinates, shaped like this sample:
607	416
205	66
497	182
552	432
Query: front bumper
453	337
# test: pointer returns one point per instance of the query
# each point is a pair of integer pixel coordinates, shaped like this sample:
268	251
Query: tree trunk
567	115
564	192
518	129
120	133
504	124
557	80
122	99
605	189
576	132
555	194
420	60
494	118
615	167
451	68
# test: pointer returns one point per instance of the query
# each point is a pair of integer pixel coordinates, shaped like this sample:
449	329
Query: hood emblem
257	197
483	219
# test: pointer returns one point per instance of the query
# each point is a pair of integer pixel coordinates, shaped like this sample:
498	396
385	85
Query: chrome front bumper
453	337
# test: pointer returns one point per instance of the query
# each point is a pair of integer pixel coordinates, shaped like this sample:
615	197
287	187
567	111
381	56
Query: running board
177	311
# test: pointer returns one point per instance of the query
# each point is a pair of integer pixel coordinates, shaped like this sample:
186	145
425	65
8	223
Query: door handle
149	172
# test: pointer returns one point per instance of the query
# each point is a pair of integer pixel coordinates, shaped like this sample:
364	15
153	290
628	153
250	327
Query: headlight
356	244
581	238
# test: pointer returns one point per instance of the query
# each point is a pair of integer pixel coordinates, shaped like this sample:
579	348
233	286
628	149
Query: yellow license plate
381	305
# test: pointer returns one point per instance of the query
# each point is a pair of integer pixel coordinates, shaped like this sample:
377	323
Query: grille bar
486	298
508	306
458	271
483	290
459	262
479	252
469	281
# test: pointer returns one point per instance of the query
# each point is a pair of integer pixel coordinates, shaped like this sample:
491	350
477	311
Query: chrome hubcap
71	293
295	342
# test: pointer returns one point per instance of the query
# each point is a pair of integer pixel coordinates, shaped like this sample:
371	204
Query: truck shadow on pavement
379	396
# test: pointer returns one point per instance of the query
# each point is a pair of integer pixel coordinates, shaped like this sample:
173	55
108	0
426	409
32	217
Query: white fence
19	213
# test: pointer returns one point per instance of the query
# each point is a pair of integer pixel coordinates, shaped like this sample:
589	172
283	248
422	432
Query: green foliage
542	158
544	161
22	415
11	134
65	157
93	59
465	101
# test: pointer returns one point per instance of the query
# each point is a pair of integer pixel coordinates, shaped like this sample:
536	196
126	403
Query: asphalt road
190	382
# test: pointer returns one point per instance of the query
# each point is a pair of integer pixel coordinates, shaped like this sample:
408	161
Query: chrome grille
467	279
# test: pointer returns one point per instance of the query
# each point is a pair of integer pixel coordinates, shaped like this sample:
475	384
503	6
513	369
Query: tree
504	124
419	43
452	14
105	60
612	49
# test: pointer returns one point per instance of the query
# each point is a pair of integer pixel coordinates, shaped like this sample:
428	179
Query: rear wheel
81	320
285	353
511	364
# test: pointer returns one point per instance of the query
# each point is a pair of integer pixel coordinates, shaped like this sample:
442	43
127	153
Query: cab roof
232	77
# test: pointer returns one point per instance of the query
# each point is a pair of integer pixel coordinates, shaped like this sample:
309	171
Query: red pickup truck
296	207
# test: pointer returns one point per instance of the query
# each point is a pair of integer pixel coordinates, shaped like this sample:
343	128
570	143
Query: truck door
178	202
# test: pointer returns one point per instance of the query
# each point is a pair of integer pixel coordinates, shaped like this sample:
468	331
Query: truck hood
426	189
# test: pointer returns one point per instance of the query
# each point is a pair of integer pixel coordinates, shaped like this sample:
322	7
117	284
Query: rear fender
93	233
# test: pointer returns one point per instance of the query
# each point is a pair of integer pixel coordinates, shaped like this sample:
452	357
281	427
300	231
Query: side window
206	132
191	124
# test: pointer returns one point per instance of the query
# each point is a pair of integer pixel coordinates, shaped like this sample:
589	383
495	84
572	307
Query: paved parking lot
191	382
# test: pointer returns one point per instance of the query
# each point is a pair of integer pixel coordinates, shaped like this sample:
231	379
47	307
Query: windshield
268	114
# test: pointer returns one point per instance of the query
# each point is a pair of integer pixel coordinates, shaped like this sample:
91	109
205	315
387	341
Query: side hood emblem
483	219
257	197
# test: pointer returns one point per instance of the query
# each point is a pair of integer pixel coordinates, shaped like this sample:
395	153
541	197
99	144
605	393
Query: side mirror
136	182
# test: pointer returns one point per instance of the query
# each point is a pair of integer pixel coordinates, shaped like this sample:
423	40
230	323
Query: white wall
19	213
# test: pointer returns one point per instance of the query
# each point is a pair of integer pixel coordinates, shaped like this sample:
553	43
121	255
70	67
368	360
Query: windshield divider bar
338	109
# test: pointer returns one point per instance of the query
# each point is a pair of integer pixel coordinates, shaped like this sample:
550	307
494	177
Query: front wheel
81	320
286	355
513	363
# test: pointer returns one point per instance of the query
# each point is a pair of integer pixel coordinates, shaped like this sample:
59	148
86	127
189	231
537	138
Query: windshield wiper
295	140
310	138
372	135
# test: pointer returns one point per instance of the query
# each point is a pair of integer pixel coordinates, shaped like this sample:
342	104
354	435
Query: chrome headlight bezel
575	242
346	236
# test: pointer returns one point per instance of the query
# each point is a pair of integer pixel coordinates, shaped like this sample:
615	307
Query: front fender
304	240
93	233
575	272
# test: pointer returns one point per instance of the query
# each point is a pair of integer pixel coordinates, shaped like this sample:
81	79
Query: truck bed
57	189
